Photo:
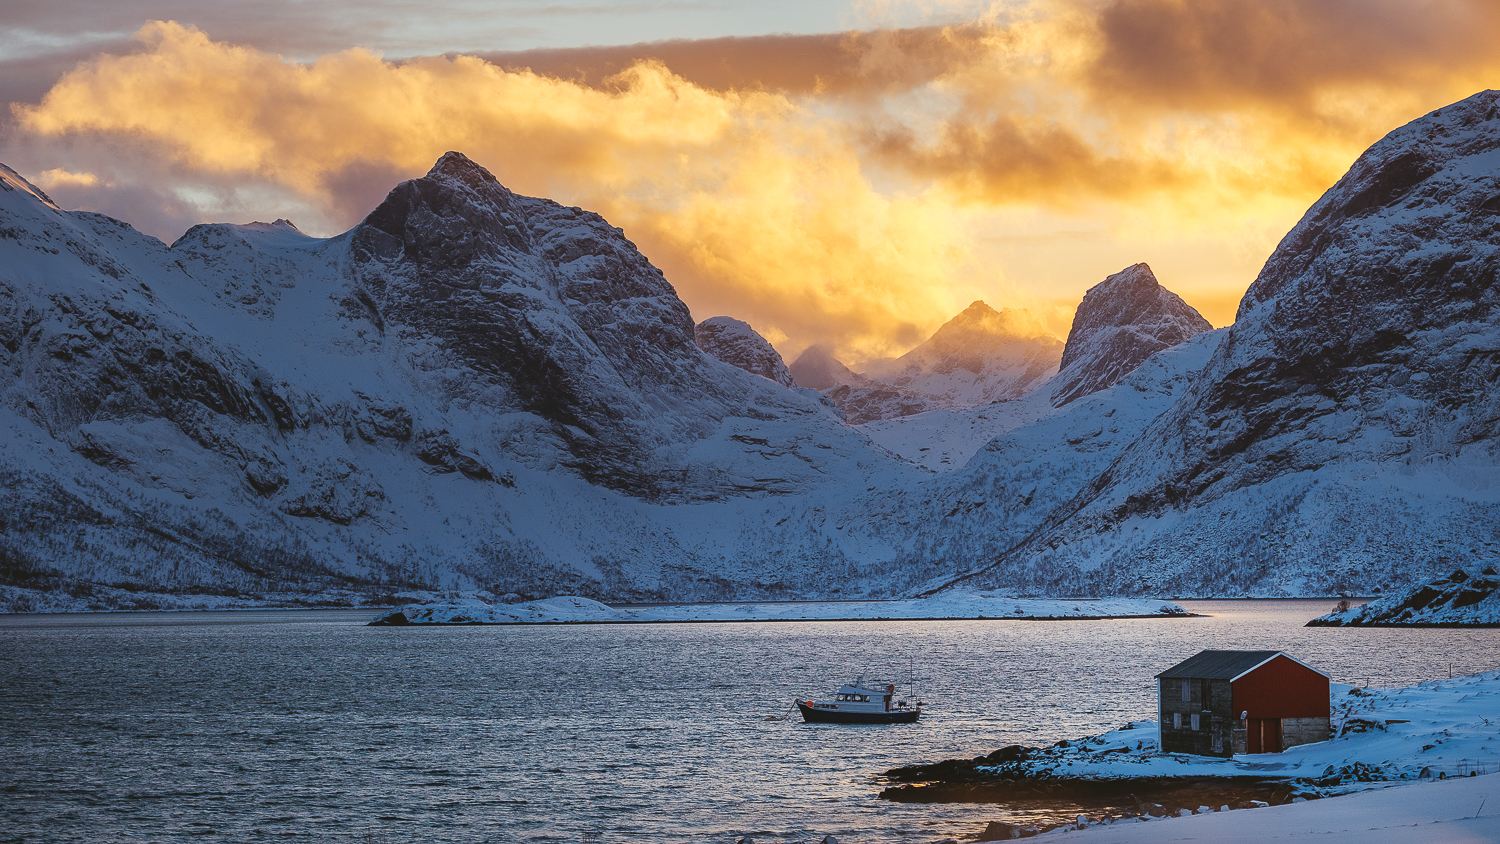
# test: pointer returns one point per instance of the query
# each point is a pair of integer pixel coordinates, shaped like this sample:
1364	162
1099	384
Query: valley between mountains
479	392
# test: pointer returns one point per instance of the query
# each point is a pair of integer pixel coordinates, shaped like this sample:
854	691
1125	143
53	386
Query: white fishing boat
857	703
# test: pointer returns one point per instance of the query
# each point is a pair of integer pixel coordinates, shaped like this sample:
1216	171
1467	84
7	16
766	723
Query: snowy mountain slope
1122	320
471	388
1344	435
734	342
945	440
554	314
1007	489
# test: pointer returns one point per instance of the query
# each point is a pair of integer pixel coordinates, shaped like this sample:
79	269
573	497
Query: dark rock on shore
1462	599
999	831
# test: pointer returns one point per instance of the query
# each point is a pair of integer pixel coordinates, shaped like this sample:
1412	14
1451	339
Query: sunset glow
855	188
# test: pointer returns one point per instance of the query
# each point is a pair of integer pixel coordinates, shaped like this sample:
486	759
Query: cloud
1198	102
826	188
849	64
755	205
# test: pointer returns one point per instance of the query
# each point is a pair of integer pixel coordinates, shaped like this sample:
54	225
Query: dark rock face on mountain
1347	431
550	306
1122	320
737	344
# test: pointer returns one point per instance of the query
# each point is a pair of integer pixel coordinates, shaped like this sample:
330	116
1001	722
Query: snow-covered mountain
478	390
471	388
978	357
1345	432
1039	460
734	342
1122	320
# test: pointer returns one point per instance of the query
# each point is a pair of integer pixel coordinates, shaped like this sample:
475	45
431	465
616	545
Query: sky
852	173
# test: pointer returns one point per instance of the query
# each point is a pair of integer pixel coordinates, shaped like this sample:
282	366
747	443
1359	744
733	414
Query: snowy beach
1456	811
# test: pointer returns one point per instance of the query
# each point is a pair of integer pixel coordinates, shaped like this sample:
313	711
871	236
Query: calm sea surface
310	726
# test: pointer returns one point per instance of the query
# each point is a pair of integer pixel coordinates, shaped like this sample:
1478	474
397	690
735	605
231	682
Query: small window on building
1176	720
1196	722
1187	690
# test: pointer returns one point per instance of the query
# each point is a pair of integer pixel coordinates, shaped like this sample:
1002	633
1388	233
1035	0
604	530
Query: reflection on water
307	725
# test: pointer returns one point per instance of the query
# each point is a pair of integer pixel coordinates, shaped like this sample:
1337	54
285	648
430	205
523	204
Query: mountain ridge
1121	321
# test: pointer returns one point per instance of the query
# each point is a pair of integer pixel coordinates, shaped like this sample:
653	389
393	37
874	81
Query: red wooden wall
1282	688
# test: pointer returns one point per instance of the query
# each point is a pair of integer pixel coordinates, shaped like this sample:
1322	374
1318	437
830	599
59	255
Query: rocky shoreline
1037	800
1462	599
1429	731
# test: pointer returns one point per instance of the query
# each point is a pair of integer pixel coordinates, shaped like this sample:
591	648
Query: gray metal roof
1218	665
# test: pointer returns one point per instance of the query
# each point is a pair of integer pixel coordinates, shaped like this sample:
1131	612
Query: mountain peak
734	342
456	165
11	180
983	319
818	369
1121	321
281	225
979	356
1355	402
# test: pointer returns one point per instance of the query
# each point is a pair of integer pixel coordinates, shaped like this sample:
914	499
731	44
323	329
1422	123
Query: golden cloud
753	205
827	188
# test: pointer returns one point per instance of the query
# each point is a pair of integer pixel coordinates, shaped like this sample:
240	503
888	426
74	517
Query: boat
857	703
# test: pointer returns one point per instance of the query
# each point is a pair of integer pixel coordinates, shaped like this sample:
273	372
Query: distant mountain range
478	391
978	357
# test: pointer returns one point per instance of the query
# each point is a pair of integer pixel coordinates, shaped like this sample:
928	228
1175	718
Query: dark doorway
1263	735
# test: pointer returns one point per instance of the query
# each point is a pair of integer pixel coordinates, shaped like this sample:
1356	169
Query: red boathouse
1220	703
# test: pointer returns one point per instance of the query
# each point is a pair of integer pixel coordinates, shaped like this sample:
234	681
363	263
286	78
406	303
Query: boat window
864	698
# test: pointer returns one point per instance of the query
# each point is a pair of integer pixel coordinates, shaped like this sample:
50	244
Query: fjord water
310	726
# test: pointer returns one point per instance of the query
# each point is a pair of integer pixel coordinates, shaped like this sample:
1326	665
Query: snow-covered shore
1455	811
973	605
1462	599
1441	728
1441	738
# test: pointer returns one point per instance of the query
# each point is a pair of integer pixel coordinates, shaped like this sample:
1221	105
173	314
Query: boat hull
814	715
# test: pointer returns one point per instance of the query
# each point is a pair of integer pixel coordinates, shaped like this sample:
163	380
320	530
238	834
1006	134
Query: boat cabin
1219	703
855	694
